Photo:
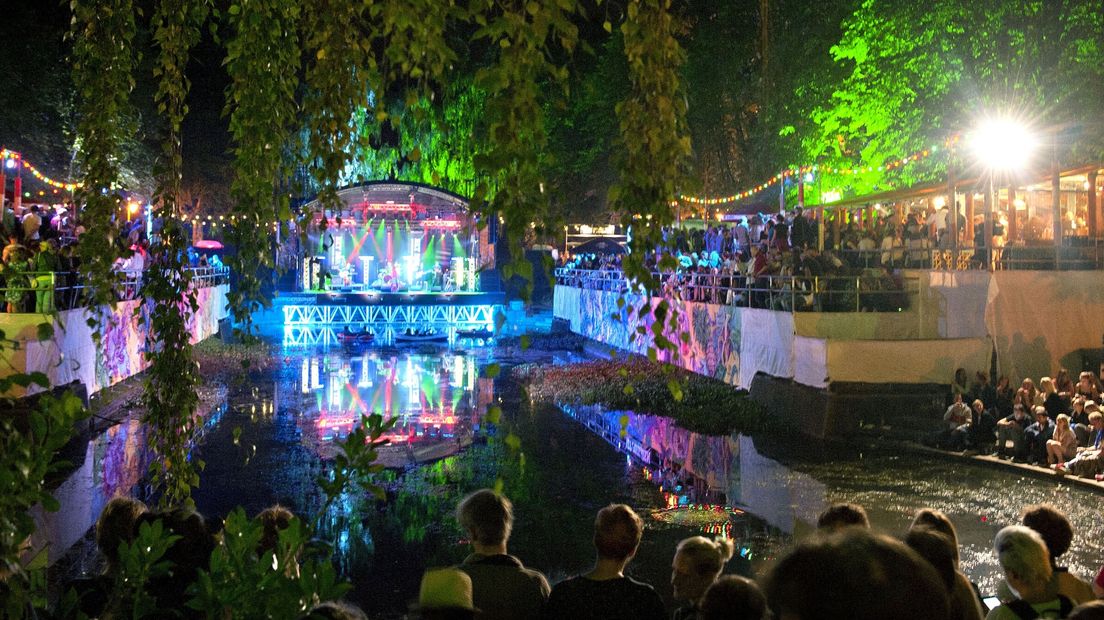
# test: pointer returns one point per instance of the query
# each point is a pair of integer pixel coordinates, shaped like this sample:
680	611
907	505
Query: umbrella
599	246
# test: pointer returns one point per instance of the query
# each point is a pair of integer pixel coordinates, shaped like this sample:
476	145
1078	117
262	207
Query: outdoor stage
391	258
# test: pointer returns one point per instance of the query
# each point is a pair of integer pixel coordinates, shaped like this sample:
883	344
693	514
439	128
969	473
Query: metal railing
863	293
46	291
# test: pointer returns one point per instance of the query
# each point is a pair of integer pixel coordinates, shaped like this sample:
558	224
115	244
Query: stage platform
404	308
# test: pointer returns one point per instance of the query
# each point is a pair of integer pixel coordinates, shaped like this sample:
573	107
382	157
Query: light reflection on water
567	465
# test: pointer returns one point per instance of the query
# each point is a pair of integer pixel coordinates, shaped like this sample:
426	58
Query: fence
41	292
865	293
1077	254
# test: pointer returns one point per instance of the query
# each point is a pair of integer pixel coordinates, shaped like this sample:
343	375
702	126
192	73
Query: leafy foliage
262	58
697	403
103	66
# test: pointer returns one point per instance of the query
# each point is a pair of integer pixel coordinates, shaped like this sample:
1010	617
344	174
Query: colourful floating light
11	156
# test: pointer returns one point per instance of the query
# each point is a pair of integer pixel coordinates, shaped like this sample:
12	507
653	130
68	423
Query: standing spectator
780	234
959	385
1025	562
697	564
606	593
445	594
14	251
1057	533
940	551
964	598
983	390
839	516
854	574
31	223
743	235
1005	397
733	598
45	265
502	586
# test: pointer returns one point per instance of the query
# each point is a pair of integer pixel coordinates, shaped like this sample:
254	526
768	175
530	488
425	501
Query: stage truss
391	315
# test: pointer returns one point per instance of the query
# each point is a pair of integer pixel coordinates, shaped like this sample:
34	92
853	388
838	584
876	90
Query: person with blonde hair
697	563
1025	561
1062	445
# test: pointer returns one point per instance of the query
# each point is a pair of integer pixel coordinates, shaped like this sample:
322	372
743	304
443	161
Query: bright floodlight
1003	144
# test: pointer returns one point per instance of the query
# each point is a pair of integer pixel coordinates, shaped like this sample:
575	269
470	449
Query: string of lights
9	155
816	168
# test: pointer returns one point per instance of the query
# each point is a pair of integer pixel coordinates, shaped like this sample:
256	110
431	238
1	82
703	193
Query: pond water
558	465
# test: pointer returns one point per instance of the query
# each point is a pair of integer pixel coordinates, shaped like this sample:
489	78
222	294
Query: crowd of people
776	266
843	571
39	263
1058	424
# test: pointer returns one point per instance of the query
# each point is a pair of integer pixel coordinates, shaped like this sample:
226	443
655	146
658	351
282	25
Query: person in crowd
335	610
956	425
1087	461
1057	533
983	390
1025	562
45	265
1052	402
1026	395
982	428
1010	433
697	563
1079	419
839	516
941	552
854	574
446	594
733	598
274	519
959	385
780	235
1006	397
1093	610
115	525
606	593
1063	384
14	251
190	553
31	223
502	586
1062	445
964	595
1087	387
1037	434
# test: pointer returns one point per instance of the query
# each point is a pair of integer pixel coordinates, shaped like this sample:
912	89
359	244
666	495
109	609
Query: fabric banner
766	344
71	354
811	361
905	361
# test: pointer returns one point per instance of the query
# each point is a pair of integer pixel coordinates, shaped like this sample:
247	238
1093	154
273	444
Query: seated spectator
1087	461
1062	445
1010	433
1057	533
956	425
733	598
1087	387
965	595
1079	419
979	435
854	574
1052	402
1037	434
1026	395
1026	565
697	564
502	586
942	553
839	516
606	593
446	594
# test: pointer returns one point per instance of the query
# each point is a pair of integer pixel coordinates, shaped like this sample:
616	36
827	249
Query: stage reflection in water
436	401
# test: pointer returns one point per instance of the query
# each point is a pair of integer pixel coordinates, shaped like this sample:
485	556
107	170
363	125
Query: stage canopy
390	235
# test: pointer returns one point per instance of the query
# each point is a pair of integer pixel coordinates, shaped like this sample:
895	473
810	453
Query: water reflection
362	337
436	400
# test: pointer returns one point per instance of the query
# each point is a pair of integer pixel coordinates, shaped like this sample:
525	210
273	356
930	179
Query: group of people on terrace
1057	423
776	266
845	570
39	263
